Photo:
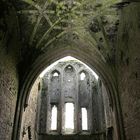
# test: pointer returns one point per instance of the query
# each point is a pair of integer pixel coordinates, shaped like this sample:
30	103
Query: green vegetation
92	20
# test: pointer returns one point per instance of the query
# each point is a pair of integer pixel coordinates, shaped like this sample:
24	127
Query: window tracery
72	104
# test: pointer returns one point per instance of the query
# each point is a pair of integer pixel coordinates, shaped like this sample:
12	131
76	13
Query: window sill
68	134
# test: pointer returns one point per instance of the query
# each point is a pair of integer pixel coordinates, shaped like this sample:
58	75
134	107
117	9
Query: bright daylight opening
69	107
55	74
69	117
54	118
84	119
82	76
68	58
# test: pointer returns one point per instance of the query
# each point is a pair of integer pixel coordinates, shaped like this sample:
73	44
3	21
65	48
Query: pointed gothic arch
94	63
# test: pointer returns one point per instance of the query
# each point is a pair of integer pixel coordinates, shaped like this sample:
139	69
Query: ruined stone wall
8	95
129	69
29	129
8	69
58	89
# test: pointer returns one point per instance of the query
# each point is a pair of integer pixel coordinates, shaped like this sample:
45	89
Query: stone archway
81	54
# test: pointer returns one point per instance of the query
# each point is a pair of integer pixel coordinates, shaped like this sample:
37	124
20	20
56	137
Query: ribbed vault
84	29
45	22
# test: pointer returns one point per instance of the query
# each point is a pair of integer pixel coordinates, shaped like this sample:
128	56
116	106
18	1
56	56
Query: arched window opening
69	118
71	102
69	69
84	119
54	118
55	74
69	81
82	76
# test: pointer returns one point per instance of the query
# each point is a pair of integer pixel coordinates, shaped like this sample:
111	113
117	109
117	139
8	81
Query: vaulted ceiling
51	22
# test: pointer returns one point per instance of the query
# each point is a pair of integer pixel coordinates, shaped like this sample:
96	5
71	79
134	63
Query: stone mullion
89	113
62	104
92	117
48	108
79	115
76	113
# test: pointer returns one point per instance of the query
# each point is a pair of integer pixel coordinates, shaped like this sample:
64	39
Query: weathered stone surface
93	47
8	96
9	80
83	91
29	127
129	70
